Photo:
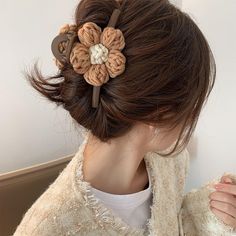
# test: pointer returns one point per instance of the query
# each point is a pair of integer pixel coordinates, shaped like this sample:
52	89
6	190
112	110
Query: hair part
170	72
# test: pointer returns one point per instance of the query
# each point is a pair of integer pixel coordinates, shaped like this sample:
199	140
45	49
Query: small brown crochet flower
98	54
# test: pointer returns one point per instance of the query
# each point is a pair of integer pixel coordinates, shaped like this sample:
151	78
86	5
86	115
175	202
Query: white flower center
98	54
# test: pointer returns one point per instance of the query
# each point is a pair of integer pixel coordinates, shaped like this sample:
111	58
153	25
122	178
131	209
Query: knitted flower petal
66	28
89	34
97	75
80	58
116	63
112	38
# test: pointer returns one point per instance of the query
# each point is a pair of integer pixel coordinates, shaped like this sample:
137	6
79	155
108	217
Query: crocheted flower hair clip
97	55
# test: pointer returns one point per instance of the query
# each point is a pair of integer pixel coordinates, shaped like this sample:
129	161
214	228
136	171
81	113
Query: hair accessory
97	55
62	44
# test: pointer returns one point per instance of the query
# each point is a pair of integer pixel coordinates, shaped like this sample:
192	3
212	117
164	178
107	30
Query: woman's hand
223	201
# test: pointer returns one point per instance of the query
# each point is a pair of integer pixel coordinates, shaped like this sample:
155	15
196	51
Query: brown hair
170	72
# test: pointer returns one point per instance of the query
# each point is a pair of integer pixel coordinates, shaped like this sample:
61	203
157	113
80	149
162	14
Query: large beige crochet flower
98	54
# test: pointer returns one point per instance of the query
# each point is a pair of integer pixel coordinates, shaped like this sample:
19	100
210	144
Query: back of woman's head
169	73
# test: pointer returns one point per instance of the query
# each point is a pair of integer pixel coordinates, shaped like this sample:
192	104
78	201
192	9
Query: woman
135	79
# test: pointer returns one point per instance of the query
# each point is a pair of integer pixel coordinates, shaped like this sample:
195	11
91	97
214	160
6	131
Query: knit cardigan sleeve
54	211
38	220
41	218
196	218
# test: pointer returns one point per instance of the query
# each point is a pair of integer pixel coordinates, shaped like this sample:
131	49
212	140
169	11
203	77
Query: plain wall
213	146
34	130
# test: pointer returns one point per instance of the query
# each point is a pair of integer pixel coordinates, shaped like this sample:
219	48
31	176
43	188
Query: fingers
224	207
223	201
223	197
227	188
226	218
226	179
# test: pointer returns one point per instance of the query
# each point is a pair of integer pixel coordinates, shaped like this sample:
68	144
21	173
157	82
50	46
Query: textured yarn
98	54
68	206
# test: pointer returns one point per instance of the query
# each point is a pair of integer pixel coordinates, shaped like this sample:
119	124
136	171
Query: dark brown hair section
170	72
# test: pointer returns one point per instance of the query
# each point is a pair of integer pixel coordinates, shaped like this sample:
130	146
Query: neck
117	167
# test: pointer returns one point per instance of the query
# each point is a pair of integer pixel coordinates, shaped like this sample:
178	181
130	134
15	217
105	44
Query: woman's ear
154	131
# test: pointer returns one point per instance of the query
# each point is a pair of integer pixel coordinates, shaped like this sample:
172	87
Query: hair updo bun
170	72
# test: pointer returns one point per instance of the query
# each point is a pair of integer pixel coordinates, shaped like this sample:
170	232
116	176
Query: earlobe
156	131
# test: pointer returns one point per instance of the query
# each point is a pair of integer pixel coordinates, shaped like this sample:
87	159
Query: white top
133	208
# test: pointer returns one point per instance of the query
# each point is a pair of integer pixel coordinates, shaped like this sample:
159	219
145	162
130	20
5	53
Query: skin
119	167
223	201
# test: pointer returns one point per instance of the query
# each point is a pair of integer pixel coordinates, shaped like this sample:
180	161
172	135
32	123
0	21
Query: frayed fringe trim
210	223
102	214
150	223
207	217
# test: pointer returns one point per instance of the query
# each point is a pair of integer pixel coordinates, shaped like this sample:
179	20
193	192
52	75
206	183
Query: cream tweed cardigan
68	207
